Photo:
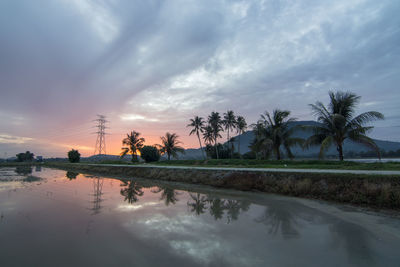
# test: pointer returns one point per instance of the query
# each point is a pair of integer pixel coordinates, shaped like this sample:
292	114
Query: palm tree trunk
201	147
229	143
216	148
278	153
340	150
239	146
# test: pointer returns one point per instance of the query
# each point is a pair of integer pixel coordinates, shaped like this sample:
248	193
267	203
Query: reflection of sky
56	215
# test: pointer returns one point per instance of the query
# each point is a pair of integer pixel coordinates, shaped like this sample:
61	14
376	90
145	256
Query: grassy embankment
286	164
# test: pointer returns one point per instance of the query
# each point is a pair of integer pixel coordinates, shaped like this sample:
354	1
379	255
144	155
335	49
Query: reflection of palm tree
356	242
199	203
217	207
233	210
280	217
168	195
132	191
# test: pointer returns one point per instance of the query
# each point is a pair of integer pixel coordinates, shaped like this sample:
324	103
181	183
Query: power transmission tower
101	135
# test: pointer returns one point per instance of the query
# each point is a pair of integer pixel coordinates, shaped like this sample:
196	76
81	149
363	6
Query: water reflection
279	219
97	194
197	203
168	194
182	224
23	170
132	191
71	175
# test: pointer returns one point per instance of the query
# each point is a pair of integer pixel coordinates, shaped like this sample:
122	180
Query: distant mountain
104	157
349	146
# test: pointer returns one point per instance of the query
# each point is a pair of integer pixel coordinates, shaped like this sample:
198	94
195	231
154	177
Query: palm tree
170	145
214	120
337	123
230	124
241	126
260	143
197	125
208	135
134	144
277	129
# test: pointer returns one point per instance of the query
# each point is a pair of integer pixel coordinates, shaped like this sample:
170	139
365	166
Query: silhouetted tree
27	156
134	143
197	125
337	123
277	130
214	120
150	153
170	145
74	156
241	127
229	123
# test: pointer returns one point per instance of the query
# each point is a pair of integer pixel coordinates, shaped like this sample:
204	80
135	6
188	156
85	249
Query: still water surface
56	218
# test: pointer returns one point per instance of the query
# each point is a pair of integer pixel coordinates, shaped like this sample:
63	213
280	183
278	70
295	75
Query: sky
150	66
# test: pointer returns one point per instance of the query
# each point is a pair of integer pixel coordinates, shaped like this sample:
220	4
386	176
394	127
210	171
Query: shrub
150	153
74	156
27	156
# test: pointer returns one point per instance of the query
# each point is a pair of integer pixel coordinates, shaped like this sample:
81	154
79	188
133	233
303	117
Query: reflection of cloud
125	207
190	236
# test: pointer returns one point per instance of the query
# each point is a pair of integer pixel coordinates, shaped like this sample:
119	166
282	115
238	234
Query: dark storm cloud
64	61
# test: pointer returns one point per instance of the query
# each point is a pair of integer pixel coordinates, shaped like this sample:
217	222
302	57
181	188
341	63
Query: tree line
275	130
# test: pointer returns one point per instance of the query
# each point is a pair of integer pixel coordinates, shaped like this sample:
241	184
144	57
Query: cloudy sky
152	65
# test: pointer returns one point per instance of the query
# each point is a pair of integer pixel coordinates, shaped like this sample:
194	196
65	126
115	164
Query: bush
74	156
27	156
150	153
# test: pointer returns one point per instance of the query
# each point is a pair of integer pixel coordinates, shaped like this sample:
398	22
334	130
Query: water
56	218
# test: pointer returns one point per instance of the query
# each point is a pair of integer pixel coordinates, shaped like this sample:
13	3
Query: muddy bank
369	190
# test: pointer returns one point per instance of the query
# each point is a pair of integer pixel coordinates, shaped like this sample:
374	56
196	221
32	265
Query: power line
100	147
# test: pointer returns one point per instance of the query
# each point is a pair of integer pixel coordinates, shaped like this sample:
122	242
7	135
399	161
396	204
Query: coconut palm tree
208	135
229	123
214	120
260	143
337	123
197	125
133	143
170	145
277	129
241	126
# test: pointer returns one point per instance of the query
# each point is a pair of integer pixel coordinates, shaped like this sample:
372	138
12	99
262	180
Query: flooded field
56	218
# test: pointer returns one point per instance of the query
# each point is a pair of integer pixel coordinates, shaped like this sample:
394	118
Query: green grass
295	164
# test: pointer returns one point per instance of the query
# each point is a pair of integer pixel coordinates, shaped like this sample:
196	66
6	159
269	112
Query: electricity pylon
101	135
